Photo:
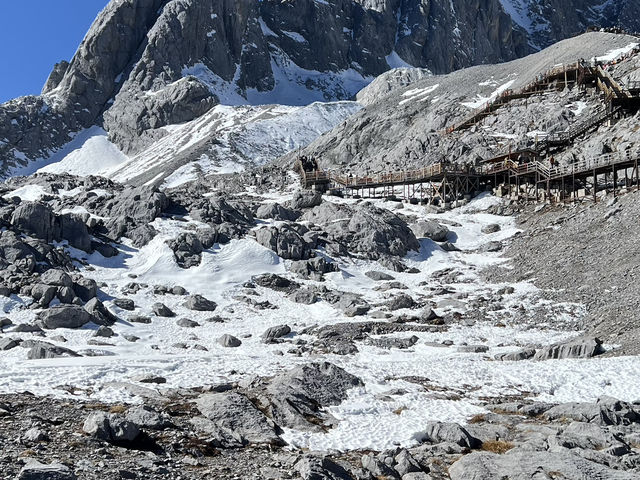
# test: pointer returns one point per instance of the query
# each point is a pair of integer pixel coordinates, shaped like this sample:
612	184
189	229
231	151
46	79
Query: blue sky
35	35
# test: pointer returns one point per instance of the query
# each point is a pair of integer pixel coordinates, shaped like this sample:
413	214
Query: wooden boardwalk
538	180
444	183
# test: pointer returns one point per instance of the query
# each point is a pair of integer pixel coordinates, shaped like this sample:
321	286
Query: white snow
95	155
616	54
460	380
479	101
243	135
88	153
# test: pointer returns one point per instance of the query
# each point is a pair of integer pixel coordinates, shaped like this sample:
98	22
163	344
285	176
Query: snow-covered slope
228	139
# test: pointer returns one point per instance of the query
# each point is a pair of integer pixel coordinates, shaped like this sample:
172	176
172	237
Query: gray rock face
145	64
298	394
39	220
579	348
520	465
400	130
234	412
65	316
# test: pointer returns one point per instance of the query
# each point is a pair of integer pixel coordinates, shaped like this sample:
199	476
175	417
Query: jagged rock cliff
146	64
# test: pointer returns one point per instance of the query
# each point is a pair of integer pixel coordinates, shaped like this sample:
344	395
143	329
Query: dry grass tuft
496	446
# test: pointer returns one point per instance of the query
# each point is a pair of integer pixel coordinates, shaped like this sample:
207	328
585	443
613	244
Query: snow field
454	386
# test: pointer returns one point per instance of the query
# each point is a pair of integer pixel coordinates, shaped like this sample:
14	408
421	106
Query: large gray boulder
101	315
234	412
65	316
200	304
431	229
187	249
606	411
365	229
44	350
439	432
274	333
321	468
525	465
113	428
285	241
578	348
296	396
276	211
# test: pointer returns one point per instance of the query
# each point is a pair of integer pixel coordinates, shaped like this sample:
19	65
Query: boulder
313	269
577	348
273	333
399	302
112	428
276	211
85	288
440	432
234	412
524	354
187	323
57	278
320	468
35	219
229	341
101	315
199	303
65	316
44	350
305	199
161	310
379	276
7	343
298	395
34	470
491	228
43	294
125	304
431	229
365	229
285	241
305	297
146	417
187	249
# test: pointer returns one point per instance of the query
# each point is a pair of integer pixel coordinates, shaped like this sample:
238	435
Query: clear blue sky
35	35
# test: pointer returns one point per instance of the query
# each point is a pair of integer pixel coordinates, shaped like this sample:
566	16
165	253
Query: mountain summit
148	64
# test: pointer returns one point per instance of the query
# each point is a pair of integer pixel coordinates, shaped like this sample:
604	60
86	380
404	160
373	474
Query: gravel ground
588	254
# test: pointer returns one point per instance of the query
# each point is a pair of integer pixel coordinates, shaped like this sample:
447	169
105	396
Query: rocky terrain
403	129
175	306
